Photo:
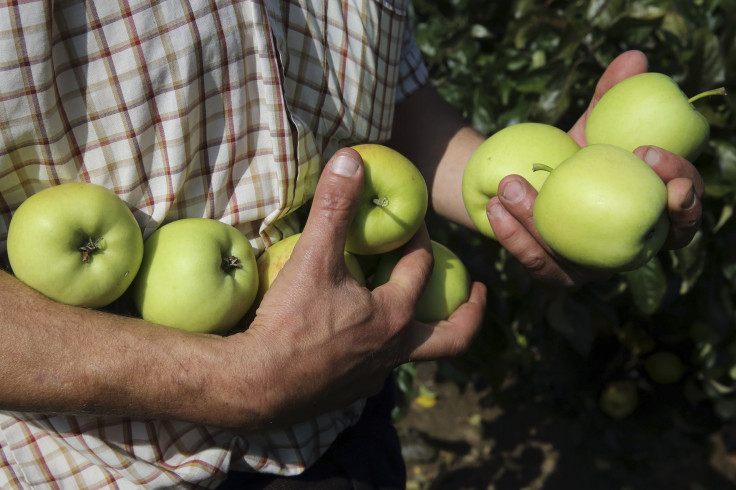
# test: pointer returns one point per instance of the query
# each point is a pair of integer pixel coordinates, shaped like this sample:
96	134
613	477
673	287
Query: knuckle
335	204
397	311
534	261
403	316
400	317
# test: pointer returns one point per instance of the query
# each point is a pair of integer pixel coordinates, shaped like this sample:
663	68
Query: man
229	110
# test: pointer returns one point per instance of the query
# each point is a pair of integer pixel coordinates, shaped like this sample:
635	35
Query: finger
451	337
334	204
685	212
411	274
685	188
518	196
625	65
670	166
511	215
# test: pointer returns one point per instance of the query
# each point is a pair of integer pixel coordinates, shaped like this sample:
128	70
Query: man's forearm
63	359
433	135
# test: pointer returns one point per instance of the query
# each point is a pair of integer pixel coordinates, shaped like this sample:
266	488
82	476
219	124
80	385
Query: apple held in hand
273	259
77	243
393	203
649	109
512	150
447	289
197	274
603	208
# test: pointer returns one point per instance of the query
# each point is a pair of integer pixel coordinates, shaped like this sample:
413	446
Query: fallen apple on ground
603	208
447	289
77	243
197	274
664	368
619	399
393	204
512	150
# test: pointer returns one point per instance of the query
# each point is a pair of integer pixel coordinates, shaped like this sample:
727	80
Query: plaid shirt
187	108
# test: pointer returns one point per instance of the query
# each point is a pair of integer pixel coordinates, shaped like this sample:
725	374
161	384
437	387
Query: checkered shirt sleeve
198	108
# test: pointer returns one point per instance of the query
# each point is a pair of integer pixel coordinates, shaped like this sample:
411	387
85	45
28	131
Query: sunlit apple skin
603	208
648	109
182	282
512	150
447	289
49	228
273	259
393	203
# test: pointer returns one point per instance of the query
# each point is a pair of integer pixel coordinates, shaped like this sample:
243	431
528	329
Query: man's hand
318	342
510	213
324	340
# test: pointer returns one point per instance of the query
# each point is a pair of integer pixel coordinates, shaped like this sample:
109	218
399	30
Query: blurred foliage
505	62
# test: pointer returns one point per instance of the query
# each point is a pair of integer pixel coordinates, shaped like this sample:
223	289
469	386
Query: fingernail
495	211
344	165
513	192
651	156
689	200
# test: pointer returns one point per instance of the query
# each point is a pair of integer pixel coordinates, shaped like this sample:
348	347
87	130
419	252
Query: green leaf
648	285
404	376
689	262
479	31
726	214
726	153
707	65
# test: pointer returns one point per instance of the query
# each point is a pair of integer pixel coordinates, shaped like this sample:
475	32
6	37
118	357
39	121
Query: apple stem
541	166
381	202
231	263
715	91
90	247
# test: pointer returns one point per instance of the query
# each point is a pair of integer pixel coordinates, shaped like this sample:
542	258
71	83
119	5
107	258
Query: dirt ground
521	438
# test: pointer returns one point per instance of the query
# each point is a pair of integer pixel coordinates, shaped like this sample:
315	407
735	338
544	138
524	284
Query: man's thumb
333	207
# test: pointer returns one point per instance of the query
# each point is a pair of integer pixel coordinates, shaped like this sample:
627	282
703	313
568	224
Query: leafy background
505	62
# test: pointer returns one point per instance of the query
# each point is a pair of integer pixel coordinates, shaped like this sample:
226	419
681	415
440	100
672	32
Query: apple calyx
90	248
230	264
381	202
708	93
540	166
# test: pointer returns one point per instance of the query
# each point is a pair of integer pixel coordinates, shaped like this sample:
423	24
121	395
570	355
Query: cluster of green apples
620	397
391	210
79	244
599	206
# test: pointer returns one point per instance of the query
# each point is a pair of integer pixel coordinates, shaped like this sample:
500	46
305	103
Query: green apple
650	109
273	259
447	289
512	150
197	274
77	243
664	367
619	399
603	208
393	204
